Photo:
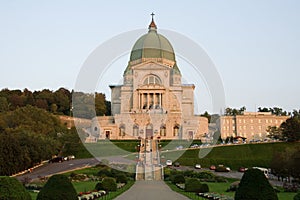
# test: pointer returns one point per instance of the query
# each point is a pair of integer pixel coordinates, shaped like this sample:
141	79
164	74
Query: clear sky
254	44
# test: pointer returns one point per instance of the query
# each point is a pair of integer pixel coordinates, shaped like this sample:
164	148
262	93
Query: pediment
150	65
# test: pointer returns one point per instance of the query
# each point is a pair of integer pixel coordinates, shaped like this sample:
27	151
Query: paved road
149	190
54	168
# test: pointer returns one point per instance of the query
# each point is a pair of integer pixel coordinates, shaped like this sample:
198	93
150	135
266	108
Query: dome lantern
152	47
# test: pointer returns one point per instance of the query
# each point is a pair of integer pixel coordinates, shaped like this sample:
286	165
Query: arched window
136	130
152	79
176	130
163	130
122	130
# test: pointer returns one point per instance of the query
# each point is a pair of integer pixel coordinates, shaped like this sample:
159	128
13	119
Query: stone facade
250	125
152	101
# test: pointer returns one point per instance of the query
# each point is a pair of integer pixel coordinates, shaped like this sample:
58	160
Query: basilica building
152	102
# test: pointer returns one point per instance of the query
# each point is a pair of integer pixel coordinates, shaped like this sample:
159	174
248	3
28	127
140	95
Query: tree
83	105
100	105
275	111
254	185
234	111
3	104
207	115
274	132
58	187
11	188
290	129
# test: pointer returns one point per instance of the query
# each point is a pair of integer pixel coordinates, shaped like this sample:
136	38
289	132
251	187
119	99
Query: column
148	99
139	96
142	99
154	100
160	104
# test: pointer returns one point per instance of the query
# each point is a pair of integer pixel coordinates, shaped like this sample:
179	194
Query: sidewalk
150	190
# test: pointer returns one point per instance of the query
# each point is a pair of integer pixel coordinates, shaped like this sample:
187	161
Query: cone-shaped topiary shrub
255	186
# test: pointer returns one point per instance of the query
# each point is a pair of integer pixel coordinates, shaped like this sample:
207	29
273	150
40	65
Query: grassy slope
112	148
248	155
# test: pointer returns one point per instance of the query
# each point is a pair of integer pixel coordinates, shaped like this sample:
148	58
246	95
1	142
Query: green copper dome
152	46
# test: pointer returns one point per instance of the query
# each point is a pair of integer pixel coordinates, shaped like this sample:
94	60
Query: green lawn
248	155
111	148
221	188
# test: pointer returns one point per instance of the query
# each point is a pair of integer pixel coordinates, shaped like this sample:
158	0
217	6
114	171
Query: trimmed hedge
254	185
107	184
11	188
178	178
58	187
194	185
121	178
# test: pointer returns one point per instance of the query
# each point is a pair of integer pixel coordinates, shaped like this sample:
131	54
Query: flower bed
215	196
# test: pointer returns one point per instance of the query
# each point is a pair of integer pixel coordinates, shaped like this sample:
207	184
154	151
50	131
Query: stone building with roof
152	102
253	126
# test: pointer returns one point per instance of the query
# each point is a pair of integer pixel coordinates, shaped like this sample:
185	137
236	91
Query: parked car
222	168
212	167
56	159
179	147
176	164
197	166
194	146
169	162
243	169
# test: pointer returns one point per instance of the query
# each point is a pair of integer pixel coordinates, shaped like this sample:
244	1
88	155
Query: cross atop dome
152	25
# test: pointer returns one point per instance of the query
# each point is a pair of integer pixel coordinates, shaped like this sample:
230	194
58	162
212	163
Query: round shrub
178	178
121	178
99	186
58	187
11	188
104	173
254	185
192	185
107	184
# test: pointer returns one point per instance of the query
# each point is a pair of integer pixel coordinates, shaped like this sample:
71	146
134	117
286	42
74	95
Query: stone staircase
148	167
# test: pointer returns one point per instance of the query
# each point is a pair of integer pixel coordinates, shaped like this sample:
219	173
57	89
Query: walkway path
150	190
